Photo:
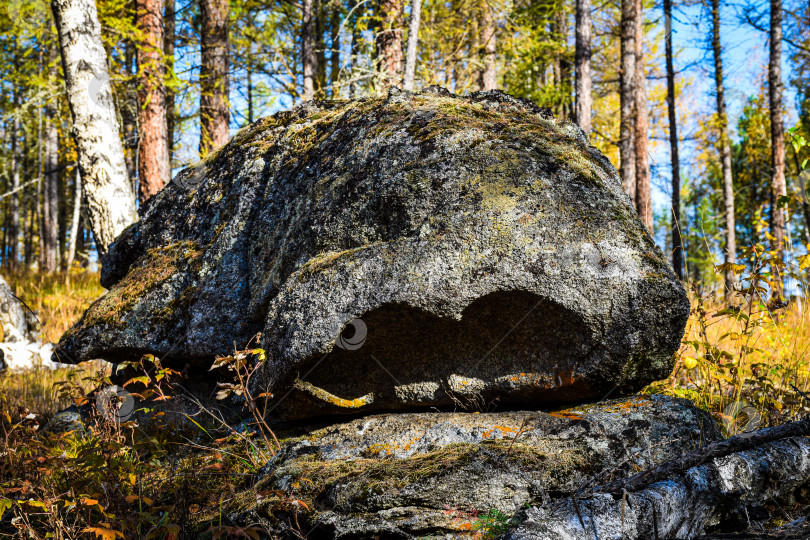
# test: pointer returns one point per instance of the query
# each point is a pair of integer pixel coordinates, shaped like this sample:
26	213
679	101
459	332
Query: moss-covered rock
417	474
478	248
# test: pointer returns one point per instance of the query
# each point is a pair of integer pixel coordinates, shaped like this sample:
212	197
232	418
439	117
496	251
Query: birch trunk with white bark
109	200
413	41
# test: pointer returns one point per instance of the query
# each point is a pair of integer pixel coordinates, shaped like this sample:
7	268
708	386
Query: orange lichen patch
383	447
332	399
503	429
390	448
569	415
630	404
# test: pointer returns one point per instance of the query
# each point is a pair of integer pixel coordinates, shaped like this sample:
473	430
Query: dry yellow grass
753	357
59	300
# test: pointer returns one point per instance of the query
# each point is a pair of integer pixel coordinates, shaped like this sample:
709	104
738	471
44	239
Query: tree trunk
154	171
677	244
74	221
214	84
627	98
50	193
308	58
169	25
563	63
641	136
488	76
582	53
389	42
109	201
128	107
357	9
413	40
725	147
250	92
334	57
778	186
14	202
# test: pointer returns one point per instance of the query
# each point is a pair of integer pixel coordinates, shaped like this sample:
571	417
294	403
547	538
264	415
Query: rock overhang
487	249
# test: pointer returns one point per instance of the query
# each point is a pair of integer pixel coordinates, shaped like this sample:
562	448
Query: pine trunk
677	244
308	58
214	82
413	42
109	201
778	186
389	42
627	95
641	136
584	102
169	25
154	171
725	147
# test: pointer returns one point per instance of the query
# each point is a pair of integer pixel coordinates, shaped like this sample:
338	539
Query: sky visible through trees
227	63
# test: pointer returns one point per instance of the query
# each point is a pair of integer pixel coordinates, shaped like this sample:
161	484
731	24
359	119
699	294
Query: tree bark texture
154	170
777	137
109	200
74	220
488	75
308	58
128	109
214	82
389	42
582	54
413	41
14	201
725	147
50	193
641	135
627	157
169	34
677	243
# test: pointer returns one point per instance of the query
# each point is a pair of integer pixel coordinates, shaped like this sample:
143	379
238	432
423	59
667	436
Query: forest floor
740	360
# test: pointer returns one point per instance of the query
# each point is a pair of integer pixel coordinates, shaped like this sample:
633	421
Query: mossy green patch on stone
153	268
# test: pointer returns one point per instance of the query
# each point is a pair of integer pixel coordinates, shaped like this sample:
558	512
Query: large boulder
416	250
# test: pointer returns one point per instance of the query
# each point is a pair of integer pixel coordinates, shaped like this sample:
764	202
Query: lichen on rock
487	251
421	474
